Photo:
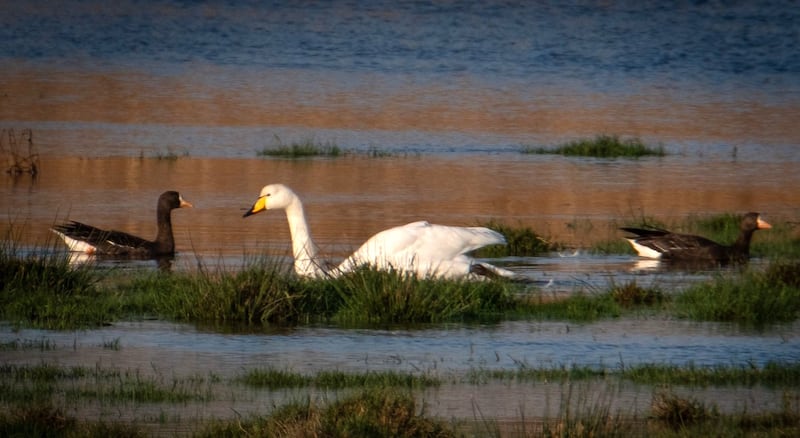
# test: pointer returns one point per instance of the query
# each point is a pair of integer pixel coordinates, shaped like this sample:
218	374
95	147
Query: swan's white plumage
419	248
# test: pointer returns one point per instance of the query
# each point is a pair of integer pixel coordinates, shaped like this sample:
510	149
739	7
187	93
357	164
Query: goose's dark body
92	240
666	245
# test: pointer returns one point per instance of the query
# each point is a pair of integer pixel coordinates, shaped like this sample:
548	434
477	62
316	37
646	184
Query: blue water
619	47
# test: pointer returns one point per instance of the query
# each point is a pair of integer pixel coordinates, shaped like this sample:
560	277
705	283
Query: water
221	79
453	90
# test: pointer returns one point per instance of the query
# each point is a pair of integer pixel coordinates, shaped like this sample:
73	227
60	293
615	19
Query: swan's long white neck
304	250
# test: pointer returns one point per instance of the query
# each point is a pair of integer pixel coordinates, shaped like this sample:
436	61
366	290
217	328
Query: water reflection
347	200
161	263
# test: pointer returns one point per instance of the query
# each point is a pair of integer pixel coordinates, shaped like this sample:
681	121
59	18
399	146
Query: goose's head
170	200
273	196
752	221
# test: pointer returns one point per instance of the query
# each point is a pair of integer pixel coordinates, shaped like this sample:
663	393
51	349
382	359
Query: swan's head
273	196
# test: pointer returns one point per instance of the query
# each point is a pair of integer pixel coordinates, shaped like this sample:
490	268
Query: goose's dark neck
742	243
165	242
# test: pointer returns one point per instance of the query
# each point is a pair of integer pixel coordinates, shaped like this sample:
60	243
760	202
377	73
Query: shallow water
448	351
452	91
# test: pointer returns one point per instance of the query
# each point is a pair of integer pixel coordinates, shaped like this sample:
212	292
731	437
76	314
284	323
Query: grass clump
679	412
43	290
302	149
265	293
584	307
277	379
602	146
261	293
38	384
753	297
380	413
580	307
372	296
521	242
631	295
772	374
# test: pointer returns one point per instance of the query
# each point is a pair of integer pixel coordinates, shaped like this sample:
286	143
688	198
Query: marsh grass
680	412
43	290
261	293
19	152
630	295
37	383
372	296
303	149
382	403
584	413
579	306
28	344
521	241
752	297
771	374
264	293
377	413
274	379
602	146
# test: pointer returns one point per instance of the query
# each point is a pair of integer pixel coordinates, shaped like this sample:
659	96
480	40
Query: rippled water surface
126	100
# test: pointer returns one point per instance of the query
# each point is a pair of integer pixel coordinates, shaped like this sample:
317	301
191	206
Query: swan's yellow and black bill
258	207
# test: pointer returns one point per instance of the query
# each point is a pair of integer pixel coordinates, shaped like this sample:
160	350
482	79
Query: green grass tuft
521	242
680	412
276	379
371	296
303	149
378	413
602	146
753	297
631	294
579	306
43	290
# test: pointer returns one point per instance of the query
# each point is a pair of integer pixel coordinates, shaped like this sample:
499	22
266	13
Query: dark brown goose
666	245
91	240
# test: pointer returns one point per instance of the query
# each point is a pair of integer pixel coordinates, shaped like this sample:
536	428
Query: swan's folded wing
421	243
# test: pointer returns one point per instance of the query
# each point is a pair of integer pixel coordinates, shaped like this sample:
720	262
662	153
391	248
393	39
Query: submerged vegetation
19	152
310	148
602	146
42	400
302	149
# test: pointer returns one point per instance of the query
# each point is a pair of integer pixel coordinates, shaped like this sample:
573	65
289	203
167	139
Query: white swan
420	248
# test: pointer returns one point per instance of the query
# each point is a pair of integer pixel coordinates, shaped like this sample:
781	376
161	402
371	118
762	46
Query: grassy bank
46	292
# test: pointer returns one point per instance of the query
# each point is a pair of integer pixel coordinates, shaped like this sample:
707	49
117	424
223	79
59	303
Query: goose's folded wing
102	240
674	243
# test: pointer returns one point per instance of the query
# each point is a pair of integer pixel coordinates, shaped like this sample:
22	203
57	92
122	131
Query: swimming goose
419	248
80	237
665	245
